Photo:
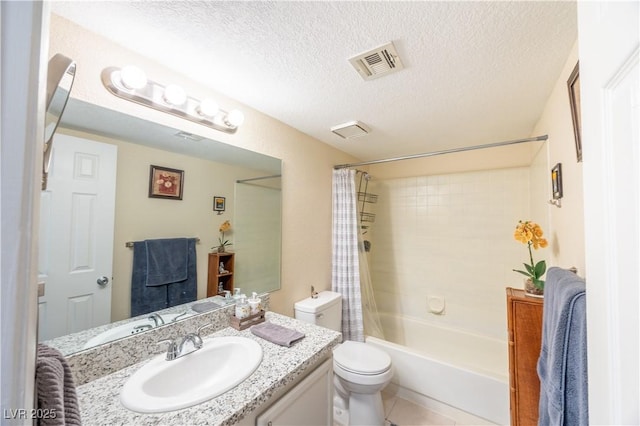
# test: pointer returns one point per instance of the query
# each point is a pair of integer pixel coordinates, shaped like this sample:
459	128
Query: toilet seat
358	362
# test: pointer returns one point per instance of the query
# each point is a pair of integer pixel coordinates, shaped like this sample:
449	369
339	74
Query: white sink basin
161	385
128	329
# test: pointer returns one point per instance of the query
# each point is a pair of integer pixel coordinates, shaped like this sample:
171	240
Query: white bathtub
464	371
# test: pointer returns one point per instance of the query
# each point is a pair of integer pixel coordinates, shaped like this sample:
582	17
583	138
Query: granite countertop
100	399
76	342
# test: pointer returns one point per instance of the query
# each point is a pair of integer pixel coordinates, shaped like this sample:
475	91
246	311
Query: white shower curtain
372	325
345	277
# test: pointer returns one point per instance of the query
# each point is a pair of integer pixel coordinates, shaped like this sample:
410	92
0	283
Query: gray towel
55	389
205	306
562	366
167	261
277	334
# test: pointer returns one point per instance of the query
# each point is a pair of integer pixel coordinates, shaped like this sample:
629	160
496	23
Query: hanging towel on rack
56	392
562	366
167	261
150	298
144	299
185	291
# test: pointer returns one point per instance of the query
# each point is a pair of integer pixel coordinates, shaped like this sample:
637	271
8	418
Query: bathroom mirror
249	181
60	75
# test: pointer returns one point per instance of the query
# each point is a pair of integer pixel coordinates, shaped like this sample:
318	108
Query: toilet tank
325	310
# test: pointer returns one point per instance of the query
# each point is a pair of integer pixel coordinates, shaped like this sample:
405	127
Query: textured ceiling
475	72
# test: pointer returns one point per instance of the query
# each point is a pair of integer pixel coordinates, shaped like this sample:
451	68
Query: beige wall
307	163
566	224
520	155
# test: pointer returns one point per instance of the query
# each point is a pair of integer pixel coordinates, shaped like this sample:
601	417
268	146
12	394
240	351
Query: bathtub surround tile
459	245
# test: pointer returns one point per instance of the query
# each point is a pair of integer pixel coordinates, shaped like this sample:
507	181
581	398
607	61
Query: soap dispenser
242	307
255	304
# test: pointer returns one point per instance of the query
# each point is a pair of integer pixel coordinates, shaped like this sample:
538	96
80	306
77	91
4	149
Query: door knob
102	281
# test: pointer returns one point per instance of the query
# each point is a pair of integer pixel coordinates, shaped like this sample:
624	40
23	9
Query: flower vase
221	249
532	290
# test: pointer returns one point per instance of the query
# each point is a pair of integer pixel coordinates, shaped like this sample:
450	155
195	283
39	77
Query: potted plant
222	243
530	233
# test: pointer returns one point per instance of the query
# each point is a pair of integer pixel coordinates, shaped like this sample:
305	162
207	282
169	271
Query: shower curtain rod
257	178
446	151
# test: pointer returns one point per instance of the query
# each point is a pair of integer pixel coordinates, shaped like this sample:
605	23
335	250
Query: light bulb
133	77
207	108
174	95
234	118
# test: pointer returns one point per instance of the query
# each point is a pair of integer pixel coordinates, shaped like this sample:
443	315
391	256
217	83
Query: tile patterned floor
400	412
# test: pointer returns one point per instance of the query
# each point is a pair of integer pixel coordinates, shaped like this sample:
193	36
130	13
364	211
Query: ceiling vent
352	129
375	63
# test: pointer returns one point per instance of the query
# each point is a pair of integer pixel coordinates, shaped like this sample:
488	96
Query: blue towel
167	261
185	291
562	366
146	299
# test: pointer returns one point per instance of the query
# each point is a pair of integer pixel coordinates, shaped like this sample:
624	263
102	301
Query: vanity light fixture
131	83
174	95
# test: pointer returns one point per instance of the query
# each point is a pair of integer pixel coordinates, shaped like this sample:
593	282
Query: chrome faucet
195	340
175	349
172	350
157	319
179	316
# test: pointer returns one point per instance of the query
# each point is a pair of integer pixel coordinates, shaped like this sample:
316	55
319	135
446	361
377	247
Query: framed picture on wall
165	183
556	181
219	204
573	84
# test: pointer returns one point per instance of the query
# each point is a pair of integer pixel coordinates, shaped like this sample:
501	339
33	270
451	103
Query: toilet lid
361	358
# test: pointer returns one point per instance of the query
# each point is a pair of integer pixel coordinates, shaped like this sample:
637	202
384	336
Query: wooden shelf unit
524	318
214	277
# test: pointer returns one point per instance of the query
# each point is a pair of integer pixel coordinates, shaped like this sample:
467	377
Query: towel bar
129	244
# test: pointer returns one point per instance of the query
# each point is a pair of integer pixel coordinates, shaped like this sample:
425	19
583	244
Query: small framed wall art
219	204
165	183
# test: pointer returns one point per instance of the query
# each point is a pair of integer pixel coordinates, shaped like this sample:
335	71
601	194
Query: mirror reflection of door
76	237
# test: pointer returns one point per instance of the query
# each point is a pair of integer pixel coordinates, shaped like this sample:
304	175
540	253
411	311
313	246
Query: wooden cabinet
215	277
524	318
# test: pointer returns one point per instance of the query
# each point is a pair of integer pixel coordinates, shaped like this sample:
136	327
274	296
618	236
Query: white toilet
360	370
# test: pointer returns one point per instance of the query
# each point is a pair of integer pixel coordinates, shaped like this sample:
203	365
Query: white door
76	237
609	40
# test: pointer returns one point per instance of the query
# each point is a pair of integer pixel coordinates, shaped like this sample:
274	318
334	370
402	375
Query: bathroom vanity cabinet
215	277
291	386
309	402
524	318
